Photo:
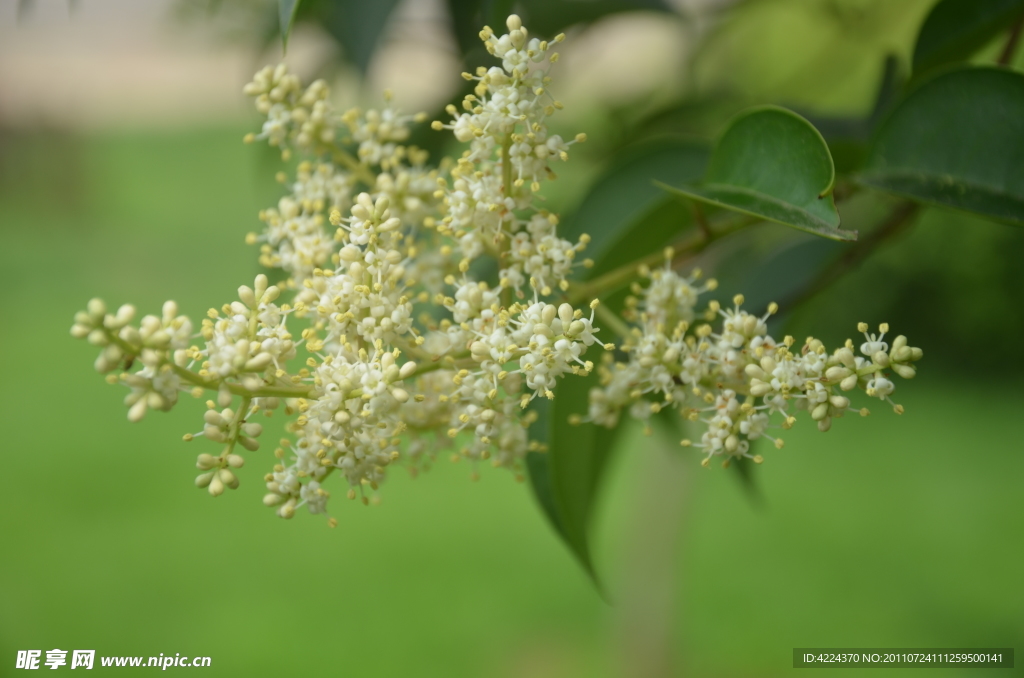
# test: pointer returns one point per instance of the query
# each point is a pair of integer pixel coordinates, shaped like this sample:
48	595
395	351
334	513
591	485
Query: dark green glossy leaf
358	25
470	16
625	213
957	141
955	29
773	164
566	477
286	13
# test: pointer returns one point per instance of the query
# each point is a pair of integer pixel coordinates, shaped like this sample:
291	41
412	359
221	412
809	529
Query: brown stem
898	221
1011	43
684	248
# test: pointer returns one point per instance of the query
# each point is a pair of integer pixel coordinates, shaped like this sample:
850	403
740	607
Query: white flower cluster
735	380
490	198
401	356
296	238
404	351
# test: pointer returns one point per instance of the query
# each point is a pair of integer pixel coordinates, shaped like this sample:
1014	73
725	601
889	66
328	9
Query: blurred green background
887	531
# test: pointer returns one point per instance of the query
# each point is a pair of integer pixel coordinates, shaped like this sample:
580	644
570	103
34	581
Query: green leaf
625	214
955	29
956	141
565	478
286	10
470	16
773	164
358	25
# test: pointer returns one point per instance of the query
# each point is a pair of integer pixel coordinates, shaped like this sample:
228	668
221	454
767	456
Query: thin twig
685	248
899	219
1011	43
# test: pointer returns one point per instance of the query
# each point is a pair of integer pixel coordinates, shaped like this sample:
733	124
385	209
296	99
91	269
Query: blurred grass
890	531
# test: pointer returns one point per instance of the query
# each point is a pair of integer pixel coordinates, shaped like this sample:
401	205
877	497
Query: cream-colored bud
839	402
236	461
216	486
548	314
407	370
350	253
836	373
905	371
206	461
97	309
819	412
881	358
203	479
253	430
228	478
247	296
272	499
565	314
214	417
137	411
98	338
259	363
756	372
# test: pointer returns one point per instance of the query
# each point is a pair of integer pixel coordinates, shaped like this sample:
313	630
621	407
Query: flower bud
247	296
228	478
207	461
253	430
137	411
839	402
905	371
98	338
565	314
836	373
260	286
216	486
548	314
97	309
248	443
